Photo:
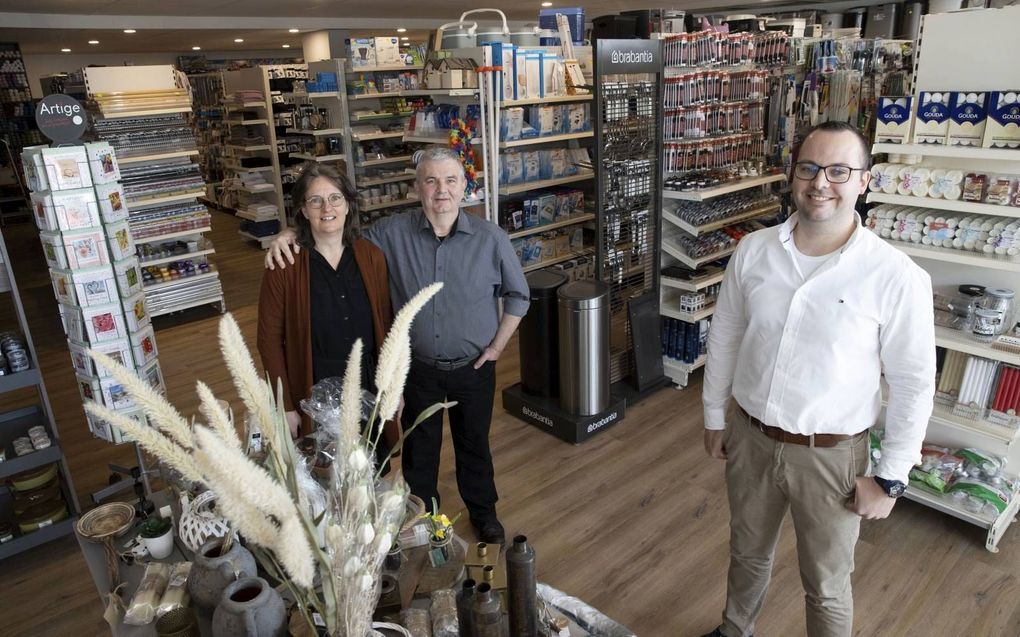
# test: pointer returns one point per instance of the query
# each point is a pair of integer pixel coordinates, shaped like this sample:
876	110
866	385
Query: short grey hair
434	153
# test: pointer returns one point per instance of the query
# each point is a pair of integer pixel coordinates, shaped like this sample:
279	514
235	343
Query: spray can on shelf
465	602
521	588
487	613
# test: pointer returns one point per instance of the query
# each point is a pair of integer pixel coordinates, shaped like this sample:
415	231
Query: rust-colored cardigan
285	323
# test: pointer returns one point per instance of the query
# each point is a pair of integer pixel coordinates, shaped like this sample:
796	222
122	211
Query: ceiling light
293	30
93	41
239	40
405	38
286	46
65	50
196	48
401	30
546	4
129	30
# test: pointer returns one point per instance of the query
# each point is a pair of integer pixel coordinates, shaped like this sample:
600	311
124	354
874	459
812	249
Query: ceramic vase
250	607
212	572
160	547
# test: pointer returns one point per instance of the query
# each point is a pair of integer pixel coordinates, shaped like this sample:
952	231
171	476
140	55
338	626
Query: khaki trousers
765	479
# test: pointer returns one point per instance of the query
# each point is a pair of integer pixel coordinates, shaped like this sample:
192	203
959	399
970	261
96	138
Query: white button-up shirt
807	355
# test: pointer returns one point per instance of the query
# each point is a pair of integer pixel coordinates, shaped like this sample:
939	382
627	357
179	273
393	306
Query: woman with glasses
337	291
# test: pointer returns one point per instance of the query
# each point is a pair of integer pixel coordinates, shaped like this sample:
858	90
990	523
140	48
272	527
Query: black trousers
473	390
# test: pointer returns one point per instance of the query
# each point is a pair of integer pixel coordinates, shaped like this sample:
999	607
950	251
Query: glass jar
986	325
1000	301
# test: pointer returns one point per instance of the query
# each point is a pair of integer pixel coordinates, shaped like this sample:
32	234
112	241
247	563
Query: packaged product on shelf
119	350
508	89
547	208
512	168
564	210
967	116
135	312
102	162
518	246
562	242
535	78
67	167
576	238
548	252
122	245
553	163
142	609
112	202
931	125
129	276
63	286
543	118
998	190
143	346
937	468
532	252
104	323
361	52
151	373
43	212
510	122
894	120
974	185
35	170
85	248
532	165
387	52
577	118
1002	128
94	286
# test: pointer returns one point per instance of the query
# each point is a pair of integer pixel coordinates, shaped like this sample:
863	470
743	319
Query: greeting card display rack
938	68
141	111
15	424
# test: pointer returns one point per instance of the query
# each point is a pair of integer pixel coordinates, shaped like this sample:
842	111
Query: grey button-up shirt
478	267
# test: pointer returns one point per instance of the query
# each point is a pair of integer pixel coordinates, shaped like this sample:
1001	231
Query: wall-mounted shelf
960	152
693	262
533	141
367	137
173	235
161	156
722	223
546	183
384	161
724	189
322	132
176	257
952	255
693	285
551	99
156	201
319	158
146	113
576	219
953	205
388	180
379	69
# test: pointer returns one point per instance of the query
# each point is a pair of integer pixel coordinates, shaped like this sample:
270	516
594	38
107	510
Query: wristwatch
892	488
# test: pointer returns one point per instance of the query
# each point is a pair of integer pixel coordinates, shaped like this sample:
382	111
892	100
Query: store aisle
633	521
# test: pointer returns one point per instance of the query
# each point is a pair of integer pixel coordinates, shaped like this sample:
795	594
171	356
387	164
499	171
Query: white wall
39	65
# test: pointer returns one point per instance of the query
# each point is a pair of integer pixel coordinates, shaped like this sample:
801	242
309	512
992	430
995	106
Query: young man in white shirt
811	313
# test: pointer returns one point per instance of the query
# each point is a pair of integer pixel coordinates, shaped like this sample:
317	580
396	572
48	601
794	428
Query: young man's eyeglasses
836	173
336	200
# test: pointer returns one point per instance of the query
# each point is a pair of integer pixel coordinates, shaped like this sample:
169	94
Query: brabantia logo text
598	424
534	415
633	57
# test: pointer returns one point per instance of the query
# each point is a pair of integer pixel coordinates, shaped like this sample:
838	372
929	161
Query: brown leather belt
781	435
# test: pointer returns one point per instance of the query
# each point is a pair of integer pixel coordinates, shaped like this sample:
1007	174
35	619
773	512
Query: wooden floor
634	521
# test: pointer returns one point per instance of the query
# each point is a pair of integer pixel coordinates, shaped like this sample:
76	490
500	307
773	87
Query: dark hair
840	127
309	172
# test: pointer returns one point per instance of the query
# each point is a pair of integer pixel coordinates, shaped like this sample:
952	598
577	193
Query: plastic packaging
176	594
416	621
142	609
444	613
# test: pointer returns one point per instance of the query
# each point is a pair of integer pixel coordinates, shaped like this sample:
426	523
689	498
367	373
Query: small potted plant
157	535
441	532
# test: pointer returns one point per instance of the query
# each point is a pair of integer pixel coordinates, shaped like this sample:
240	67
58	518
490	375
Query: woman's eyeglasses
315	202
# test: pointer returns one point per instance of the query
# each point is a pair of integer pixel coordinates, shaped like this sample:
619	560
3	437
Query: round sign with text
61	118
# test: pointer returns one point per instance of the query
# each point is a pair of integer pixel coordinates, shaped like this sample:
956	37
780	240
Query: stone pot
250	608
212	572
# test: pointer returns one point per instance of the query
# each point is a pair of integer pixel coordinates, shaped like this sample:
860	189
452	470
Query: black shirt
341	314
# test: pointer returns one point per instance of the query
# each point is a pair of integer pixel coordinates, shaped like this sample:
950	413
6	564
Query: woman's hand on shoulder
284	246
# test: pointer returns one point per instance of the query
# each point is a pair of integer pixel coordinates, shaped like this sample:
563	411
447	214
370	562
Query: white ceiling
46	26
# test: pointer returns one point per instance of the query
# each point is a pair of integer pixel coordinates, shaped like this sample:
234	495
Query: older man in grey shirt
458	336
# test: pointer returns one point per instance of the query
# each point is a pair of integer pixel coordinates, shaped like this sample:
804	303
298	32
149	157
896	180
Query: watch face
896	489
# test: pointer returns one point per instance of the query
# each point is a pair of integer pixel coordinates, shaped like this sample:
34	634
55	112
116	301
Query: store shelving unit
676	228
254	117
17	129
162	188
14	424
943	35
207	93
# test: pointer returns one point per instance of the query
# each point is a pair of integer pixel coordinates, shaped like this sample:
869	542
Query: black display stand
545	413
